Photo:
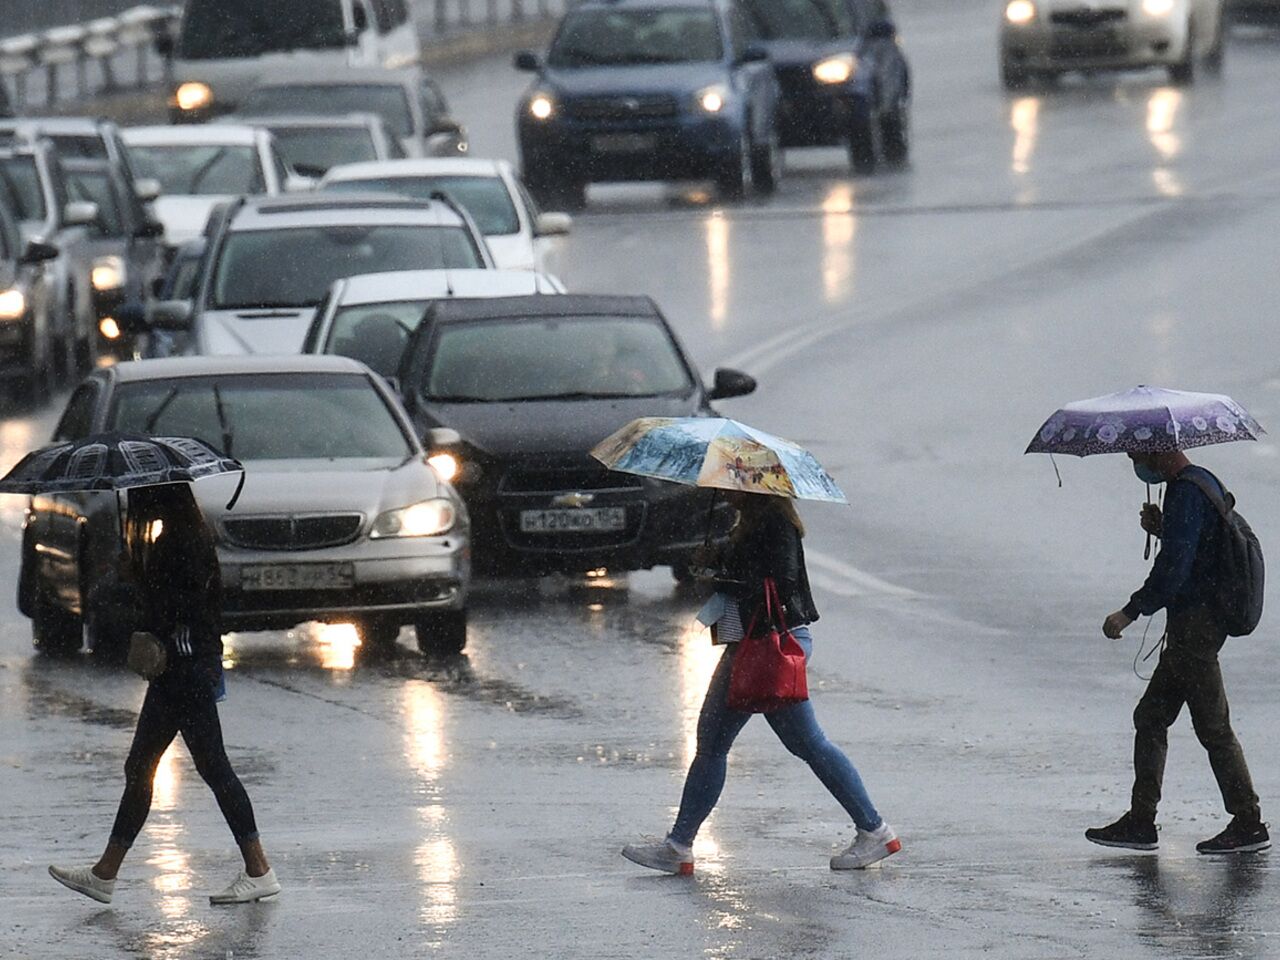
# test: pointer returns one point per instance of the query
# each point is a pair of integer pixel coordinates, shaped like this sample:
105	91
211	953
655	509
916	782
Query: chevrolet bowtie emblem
575	500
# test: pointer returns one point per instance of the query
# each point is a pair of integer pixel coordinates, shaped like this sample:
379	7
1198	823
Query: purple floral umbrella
1144	420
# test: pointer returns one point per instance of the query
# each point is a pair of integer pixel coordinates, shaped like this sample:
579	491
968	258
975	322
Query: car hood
793	53
550	427
232	80
677	79
184	217
512	252
253	331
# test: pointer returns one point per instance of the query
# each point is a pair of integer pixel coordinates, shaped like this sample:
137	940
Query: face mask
1147	474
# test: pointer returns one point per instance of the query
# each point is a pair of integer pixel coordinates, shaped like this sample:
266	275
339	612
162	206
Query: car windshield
85	145
375	333
485	198
295	267
313	150
95	186
217	29
330	416
329	100
603	37
544	358
20	188
800	19
193	169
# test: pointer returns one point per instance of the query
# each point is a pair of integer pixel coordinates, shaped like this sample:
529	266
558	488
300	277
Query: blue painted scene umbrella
719	454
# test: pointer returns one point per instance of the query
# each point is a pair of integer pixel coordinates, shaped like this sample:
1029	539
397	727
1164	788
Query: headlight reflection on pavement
698	659
1024	117
718	275
1163	107
435	855
839	228
337	644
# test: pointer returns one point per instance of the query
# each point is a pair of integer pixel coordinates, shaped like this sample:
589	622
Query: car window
375	333
329	416
96	187
533	358
389	14
184	277
20	187
600	36
316	149
328	100
73	145
290	268
77	418
485	198
201	169
217	29
800	19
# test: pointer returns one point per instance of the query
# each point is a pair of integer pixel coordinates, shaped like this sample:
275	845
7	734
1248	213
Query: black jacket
773	549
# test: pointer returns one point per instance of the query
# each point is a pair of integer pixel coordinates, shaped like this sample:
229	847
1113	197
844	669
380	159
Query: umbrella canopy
1144	420
116	461
717	453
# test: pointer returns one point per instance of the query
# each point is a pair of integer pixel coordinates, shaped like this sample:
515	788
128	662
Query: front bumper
1118	45
813	114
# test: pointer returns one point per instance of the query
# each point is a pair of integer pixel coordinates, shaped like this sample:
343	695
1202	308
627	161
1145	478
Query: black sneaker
1127	832
1241	836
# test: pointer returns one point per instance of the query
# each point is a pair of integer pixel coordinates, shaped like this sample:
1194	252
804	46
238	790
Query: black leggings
181	701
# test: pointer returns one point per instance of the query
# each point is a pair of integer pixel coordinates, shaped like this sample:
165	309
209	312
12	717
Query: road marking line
836	573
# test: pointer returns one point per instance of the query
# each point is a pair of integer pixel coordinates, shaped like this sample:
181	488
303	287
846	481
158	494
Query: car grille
293	532
1085	17
647	106
797	82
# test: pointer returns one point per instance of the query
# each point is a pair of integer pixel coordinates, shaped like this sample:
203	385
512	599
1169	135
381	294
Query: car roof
359	120
85	125
371	288
564	305
317	76
133	371
341	209
191	133
417	167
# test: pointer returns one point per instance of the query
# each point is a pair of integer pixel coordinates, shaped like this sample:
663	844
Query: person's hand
1152	519
1114	625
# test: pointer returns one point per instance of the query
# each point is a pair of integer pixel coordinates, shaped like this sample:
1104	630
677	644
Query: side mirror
170	315
444	125
754	54
149	230
39	252
442	437
80	213
552	225
731	383
882	30
526	61
147	189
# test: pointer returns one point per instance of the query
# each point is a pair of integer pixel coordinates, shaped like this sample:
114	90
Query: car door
881	51
755	80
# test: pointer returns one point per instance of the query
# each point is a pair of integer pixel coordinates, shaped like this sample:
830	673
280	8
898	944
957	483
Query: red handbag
768	667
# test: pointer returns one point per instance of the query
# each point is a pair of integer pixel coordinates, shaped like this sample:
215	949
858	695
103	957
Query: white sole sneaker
84	881
660	855
868	849
247	889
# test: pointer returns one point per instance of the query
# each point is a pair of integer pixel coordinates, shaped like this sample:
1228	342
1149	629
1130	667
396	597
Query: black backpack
1239	567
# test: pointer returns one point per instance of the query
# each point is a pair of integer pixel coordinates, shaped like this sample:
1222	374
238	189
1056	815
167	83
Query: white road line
845	580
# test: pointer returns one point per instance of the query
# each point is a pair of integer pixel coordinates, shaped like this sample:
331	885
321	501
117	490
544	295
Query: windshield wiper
156	414
573	395
227	439
455	398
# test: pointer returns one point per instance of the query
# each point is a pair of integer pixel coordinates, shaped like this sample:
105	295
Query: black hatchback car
512	393
843	75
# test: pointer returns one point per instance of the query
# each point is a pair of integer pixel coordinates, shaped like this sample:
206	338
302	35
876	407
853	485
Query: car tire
55	631
36	385
1013	76
731	179
552	192
442	634
1183	73
379	636
766	164
895	134
864	139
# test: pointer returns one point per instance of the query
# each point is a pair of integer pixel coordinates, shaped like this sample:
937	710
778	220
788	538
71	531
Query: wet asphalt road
913	329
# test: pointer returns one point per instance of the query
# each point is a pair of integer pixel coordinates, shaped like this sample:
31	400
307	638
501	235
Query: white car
372	316
341	518
490	190
1043	38
199	167
311	145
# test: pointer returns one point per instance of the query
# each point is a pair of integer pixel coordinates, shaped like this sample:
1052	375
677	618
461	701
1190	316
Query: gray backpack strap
1223	504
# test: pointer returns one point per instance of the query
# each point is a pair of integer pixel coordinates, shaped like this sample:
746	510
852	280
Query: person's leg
1154	715
718	726
1211	718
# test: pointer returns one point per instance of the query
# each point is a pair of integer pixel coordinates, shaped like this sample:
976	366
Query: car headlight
13	304
109	328
446	466
1020	11
1157	8
193	95
837	69
542	106
713	98
428	518
107	273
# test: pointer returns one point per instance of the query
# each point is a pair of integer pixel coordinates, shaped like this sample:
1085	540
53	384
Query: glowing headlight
193	96
712	99
13	305
1020	11
446	465
426	519
109	329
108	273
541	106
837	69
1157	8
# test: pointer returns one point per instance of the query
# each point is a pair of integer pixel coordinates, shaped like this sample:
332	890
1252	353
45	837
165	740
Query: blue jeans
797	728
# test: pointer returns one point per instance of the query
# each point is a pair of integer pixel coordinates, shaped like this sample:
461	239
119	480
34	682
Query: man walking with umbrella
1187	581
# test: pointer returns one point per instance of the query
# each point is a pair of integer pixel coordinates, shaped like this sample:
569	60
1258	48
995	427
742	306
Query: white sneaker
665	855
84	880
868	848
247	889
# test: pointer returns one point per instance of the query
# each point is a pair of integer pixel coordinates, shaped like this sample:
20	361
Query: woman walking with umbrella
764	558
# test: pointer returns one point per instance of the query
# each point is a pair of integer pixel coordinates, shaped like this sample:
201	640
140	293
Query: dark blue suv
843	75
650	90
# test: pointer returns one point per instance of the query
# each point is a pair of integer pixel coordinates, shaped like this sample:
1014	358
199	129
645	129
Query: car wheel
766	164
864	139
443	633
1013	75
36	385
1183	73
895	134
731	181
55	631
379	635
1213	58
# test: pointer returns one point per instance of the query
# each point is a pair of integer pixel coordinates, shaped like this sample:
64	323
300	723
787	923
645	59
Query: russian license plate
298	576
624	143
1096	43
594	520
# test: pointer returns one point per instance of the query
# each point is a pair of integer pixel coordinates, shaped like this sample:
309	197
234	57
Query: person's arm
1185	514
